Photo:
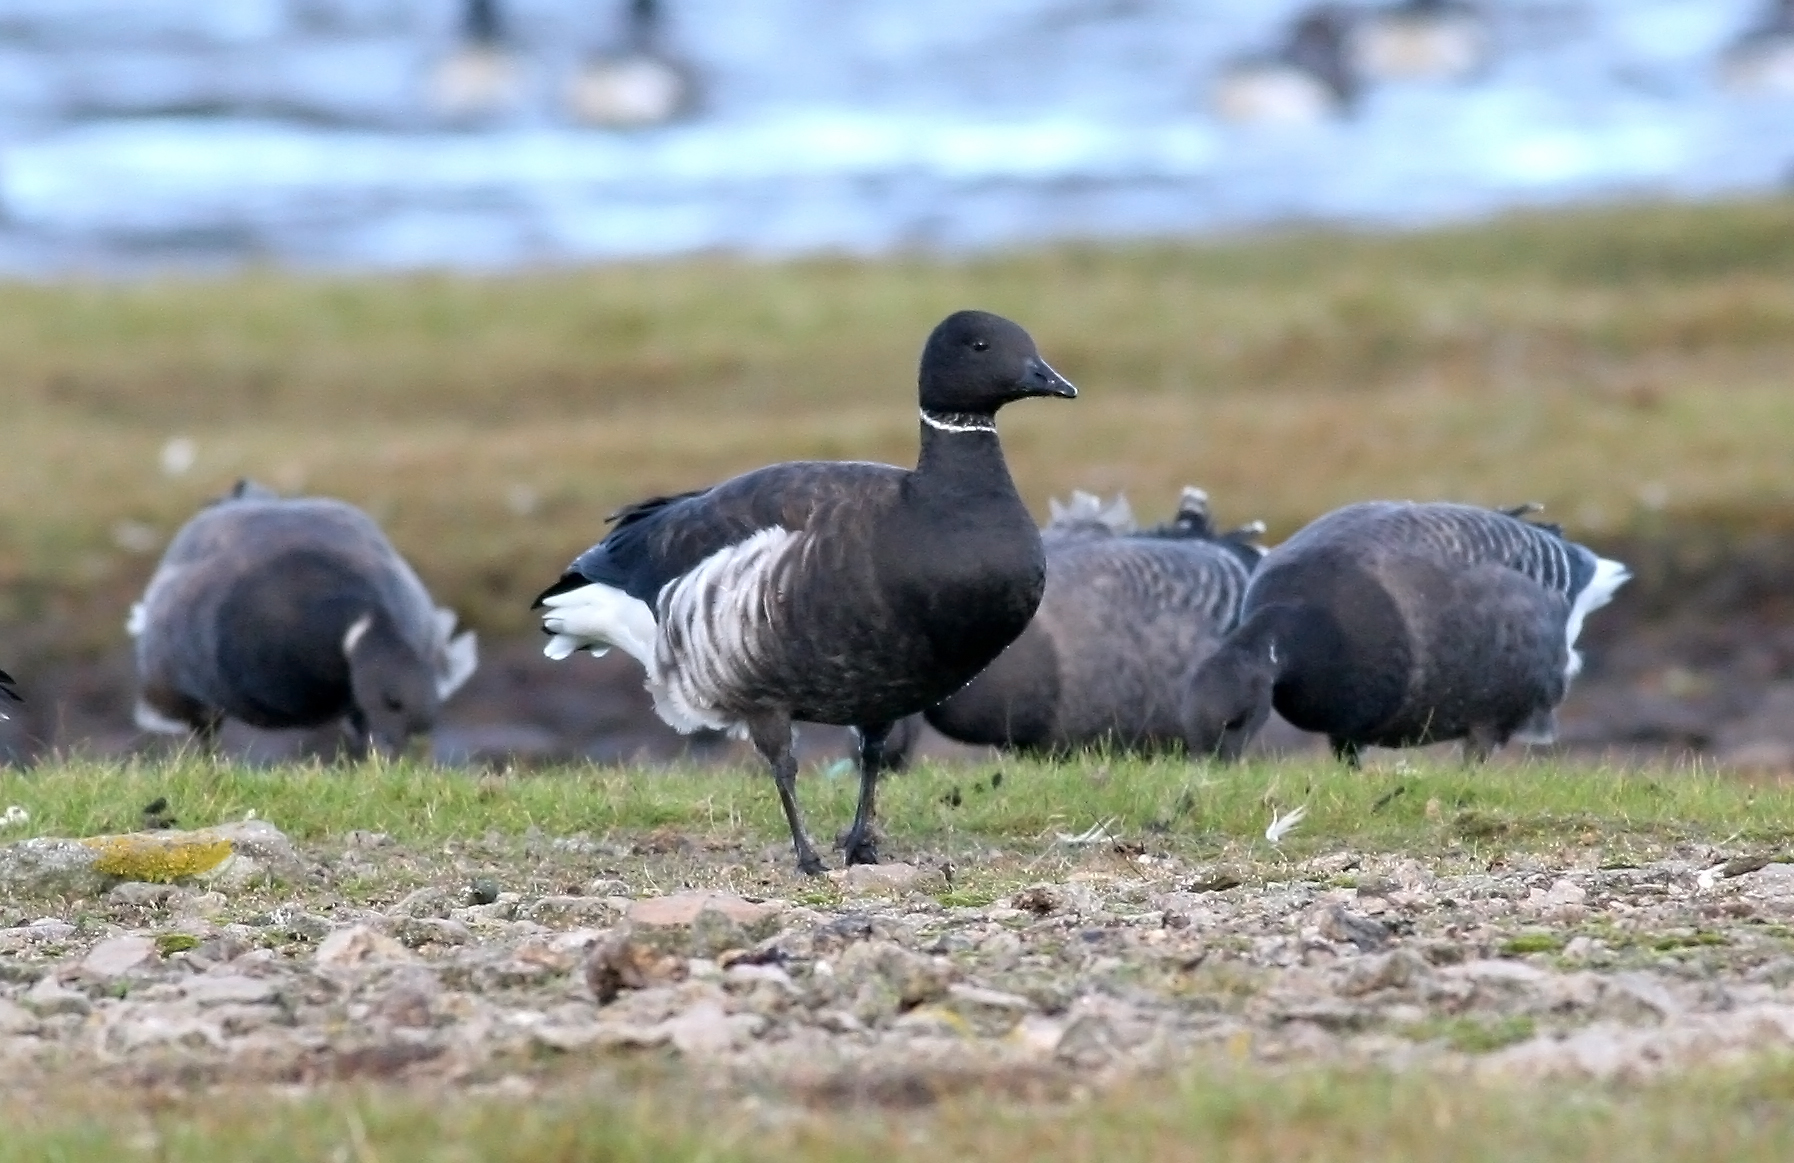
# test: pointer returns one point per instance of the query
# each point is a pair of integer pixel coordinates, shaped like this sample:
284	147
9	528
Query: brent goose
481	76
636	86
292	612
1762	60
1127	617
845	593
1445	40
1395	624
1309	78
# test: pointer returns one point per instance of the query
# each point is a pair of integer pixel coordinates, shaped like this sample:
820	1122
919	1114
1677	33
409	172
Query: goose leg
771	734
861	847
1479	744
1347	752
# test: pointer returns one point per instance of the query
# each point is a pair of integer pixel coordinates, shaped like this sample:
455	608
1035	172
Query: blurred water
146	132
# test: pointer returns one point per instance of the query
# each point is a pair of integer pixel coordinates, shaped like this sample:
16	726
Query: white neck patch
959	422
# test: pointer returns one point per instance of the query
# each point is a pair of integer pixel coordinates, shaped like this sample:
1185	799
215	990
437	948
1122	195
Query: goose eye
979	345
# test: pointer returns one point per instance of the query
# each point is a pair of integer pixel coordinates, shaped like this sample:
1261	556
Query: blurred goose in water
482	76
1762	60
1441	40
1394	624
287	613
1310	78
636	86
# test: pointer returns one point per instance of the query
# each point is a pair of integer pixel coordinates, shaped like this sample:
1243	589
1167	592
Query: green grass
1542	805
1218	1112
1625	366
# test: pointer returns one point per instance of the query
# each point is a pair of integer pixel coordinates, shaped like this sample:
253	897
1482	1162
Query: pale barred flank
717	642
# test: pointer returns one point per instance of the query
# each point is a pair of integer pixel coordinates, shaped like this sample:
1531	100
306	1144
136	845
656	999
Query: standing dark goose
1394	624
1127	618
292	612
845	593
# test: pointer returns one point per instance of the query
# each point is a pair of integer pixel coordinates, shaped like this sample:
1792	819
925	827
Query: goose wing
662	538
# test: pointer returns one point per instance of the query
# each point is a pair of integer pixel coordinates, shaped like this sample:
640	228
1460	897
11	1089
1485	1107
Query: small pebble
483	891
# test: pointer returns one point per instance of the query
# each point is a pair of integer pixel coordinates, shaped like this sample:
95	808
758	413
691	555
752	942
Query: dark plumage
1127	617
846	593
8	691
1397	624
292	613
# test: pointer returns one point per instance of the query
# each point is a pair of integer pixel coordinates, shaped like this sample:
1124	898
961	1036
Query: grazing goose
1127	617
637	86
1440	40
1397	624
481	76
1308	79
292	612
8	691
1762	60
845	593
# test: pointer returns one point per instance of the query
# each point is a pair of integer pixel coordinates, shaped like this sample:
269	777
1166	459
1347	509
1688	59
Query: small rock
706	1030
1564	892
563	911
359	946
1039	899
138	895
16	1019
1394	970
415	932
118	956
425	902
229	989
685	907
483	891
990	1013
50	867
878	878
48	998
1337	924
621	962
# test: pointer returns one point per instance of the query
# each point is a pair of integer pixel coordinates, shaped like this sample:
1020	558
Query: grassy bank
1221	1113
1424	809
1628	367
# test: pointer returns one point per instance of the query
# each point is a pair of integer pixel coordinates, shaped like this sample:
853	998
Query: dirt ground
1694	658
885	985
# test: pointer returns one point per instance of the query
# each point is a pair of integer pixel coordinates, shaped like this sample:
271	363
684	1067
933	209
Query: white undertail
711	638
457	656
596	618
1609	576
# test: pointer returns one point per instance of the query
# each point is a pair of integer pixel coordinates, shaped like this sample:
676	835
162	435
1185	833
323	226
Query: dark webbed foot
811	864
861	849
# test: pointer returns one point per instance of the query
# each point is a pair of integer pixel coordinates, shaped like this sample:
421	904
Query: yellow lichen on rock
158	859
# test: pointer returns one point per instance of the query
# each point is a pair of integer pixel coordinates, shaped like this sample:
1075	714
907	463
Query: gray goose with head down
846	593
1395	624
292	612
1127	617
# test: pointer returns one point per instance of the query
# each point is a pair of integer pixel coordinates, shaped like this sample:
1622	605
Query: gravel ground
885	984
